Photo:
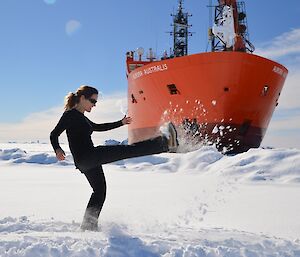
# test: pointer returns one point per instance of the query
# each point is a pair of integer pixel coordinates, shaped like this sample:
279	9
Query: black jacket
79	130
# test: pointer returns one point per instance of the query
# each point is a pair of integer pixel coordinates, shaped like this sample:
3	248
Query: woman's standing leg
97	181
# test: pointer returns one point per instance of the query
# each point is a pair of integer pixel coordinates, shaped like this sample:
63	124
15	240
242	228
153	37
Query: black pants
92	169
111	153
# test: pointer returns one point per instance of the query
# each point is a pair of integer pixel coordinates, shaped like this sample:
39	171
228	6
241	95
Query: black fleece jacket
79	130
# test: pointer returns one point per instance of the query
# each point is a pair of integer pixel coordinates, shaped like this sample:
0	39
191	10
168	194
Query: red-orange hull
226	98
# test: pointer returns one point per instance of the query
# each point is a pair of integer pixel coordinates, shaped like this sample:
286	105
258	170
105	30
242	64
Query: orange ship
224	97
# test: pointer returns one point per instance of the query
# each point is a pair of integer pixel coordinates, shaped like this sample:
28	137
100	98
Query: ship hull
221	98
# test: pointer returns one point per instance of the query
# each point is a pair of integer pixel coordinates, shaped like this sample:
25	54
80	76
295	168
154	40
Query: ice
199	203
215	130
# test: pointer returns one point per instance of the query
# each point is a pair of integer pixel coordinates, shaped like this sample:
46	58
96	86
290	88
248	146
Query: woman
87	158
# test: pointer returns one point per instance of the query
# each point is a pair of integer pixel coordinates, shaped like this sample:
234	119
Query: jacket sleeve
62	125
106	126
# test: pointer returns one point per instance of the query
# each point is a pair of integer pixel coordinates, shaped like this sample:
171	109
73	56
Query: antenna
180	31
210	24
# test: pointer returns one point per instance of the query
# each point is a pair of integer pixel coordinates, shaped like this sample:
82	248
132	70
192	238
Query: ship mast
230	29
180	31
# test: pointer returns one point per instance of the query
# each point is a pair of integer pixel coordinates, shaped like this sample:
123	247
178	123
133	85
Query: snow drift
280	165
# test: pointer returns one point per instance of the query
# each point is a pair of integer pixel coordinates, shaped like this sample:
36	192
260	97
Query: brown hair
73	98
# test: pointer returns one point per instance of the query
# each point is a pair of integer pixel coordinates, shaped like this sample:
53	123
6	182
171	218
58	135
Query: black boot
90	220
170	132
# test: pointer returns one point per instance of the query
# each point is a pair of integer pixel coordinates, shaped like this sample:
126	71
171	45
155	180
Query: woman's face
88	103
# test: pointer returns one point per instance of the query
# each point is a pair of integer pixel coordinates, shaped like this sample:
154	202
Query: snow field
199	203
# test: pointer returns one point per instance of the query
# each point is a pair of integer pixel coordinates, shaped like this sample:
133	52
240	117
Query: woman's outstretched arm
110	125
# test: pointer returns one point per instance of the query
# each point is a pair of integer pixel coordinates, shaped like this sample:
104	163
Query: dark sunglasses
93	101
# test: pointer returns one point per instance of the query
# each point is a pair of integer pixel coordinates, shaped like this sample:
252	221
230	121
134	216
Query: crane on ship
230	30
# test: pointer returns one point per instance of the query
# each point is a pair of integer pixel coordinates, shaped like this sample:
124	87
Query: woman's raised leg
112	153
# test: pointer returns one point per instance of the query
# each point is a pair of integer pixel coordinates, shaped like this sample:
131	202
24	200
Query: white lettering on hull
279	71
152	69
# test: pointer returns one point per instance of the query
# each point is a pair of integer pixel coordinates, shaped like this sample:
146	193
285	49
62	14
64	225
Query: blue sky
50	47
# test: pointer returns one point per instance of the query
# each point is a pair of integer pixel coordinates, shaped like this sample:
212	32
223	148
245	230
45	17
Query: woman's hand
126	120
60	154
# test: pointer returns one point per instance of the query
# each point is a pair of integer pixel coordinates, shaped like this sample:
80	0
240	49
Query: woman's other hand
126	120
60	154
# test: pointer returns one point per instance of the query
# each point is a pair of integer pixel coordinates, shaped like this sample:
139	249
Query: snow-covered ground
199	203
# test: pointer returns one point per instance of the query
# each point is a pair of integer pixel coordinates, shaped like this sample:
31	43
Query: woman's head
85	97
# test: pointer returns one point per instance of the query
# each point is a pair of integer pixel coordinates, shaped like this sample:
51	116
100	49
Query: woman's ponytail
70	101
